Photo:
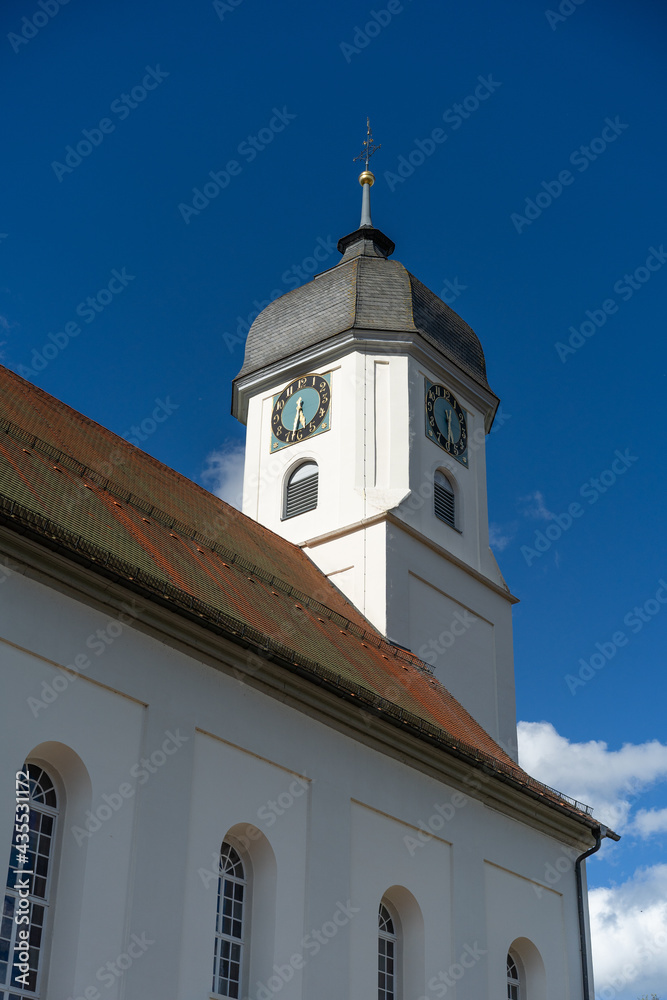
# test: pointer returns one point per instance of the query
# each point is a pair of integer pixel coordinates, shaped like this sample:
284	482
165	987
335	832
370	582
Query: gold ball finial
366	177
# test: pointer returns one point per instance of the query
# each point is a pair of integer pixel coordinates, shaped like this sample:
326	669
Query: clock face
446	421
301	410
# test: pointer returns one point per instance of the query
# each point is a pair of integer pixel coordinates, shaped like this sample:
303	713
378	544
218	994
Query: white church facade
273	754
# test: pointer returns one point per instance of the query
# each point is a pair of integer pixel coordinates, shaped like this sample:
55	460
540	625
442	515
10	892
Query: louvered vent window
301	493
444	505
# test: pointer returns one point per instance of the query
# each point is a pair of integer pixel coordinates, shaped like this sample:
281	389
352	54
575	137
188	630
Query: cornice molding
373	341
233	658
391	518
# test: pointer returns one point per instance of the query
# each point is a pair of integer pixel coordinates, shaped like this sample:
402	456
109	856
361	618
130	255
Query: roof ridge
186	530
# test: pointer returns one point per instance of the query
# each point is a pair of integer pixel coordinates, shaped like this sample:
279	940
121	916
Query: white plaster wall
267	805
534	915
425	593
377	457
104	730
356	562
366	823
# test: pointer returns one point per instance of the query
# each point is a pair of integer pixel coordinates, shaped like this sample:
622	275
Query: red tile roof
74	484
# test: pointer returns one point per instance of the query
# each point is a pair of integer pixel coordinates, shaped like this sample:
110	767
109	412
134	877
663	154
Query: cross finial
369	148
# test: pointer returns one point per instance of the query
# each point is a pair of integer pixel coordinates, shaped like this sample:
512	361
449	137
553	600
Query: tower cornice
387	342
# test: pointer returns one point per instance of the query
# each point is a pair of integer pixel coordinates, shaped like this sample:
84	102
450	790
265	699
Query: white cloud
650	821
500	535
629	935
535	507
628	921
223	474
608	780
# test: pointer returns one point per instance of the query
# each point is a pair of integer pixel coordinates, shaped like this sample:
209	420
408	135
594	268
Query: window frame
392	938
514	986
243	941
45	901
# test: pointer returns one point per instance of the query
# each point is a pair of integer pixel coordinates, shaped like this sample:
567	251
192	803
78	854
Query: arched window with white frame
514	991
230	924
28	890
301	490
444	499
388	956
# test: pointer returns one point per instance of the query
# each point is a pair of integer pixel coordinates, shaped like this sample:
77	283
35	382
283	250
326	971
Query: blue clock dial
446	421
301	410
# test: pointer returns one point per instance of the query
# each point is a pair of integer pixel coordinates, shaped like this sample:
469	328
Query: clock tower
367	407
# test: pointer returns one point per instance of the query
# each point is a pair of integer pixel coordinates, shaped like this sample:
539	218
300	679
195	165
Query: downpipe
599	832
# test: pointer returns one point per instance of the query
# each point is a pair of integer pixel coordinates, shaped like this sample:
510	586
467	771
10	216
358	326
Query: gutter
599	832
77	549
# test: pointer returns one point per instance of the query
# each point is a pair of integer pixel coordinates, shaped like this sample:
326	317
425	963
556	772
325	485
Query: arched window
444	502
230	924
28	885
301	491
513	980
387	955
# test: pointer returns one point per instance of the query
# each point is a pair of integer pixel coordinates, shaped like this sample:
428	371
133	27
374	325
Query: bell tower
367	406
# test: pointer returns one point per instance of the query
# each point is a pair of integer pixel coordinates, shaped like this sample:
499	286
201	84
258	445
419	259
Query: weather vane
369	149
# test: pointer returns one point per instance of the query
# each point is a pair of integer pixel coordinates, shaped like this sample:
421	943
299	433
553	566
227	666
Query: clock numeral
300	427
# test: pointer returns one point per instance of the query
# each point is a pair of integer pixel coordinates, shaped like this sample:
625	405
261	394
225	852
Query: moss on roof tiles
55	462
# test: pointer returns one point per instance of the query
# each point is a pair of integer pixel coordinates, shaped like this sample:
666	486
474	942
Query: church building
273	753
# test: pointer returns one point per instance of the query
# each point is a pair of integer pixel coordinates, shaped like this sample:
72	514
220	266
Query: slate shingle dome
364	291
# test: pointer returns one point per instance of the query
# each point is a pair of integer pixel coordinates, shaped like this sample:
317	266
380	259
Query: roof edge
52	536
376	236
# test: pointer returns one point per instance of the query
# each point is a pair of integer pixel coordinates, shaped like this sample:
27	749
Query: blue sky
540	213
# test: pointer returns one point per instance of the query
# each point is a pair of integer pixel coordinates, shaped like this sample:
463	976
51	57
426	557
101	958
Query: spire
366	241
366	178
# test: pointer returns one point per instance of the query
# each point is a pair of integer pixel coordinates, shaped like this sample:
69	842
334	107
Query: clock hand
299	418
448	414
